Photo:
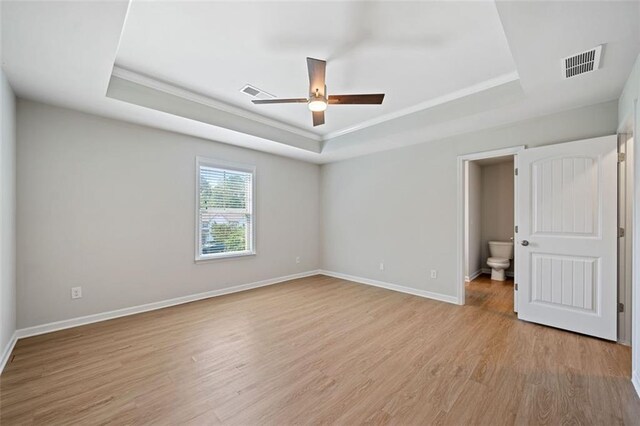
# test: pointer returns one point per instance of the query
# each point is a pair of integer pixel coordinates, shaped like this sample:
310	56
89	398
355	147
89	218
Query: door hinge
516	229
515	286
620	307
620	232
621	157
515	171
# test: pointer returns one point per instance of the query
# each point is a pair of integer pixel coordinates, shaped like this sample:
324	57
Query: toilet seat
498	262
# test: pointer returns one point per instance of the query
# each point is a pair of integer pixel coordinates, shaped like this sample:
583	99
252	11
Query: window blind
225	211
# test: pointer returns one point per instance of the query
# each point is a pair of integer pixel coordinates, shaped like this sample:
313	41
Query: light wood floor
321	350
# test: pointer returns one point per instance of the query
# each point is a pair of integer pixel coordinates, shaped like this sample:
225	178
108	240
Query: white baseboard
89	319
6	353
394	287
473	276
635	379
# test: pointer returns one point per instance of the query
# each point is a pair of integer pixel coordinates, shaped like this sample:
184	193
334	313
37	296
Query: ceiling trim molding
181	92
178	91
467	91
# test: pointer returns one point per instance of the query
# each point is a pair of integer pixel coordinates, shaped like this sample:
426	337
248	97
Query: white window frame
219	164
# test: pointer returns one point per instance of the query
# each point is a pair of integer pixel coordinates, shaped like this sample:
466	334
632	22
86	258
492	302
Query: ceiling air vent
256	93
581	63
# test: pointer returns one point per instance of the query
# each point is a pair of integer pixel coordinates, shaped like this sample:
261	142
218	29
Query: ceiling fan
318	99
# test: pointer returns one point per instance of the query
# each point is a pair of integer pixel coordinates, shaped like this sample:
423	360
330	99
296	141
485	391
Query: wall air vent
582	63
255	93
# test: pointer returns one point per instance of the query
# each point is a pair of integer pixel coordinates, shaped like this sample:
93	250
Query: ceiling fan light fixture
318	101
318	104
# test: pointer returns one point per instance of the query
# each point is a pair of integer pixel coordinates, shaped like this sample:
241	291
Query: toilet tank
501	249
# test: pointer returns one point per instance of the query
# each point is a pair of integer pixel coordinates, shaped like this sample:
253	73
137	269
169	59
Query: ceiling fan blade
318	118
281	101
317	70
374	99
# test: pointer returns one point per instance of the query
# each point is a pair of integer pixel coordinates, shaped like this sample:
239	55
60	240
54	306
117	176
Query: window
225	210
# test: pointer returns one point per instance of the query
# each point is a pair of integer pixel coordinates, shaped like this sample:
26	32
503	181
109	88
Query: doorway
489	216
566	232
487	211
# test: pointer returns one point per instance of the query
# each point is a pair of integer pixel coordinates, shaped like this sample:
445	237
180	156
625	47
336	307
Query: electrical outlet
381	266
76	292
298	259
434	273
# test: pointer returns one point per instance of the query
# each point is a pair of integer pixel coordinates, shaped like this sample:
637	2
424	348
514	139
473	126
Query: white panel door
567	236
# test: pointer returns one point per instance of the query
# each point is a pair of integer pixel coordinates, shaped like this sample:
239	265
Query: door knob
524	243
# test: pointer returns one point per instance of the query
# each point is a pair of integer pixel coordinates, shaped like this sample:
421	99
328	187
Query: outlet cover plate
76	292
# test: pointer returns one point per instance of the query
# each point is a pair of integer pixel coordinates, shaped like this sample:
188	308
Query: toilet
501	252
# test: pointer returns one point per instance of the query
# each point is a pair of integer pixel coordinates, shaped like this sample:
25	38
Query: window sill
225	256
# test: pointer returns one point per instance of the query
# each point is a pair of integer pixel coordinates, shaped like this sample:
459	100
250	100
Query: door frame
460	295
625	241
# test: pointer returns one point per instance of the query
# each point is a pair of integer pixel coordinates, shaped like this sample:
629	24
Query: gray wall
497	207
7	214
110	206
400	206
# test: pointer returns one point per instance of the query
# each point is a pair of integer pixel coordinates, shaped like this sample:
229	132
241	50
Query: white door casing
567	212
515	236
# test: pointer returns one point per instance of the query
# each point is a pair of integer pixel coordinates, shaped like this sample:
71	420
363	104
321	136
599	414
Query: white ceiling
62	53
412	51
447	67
